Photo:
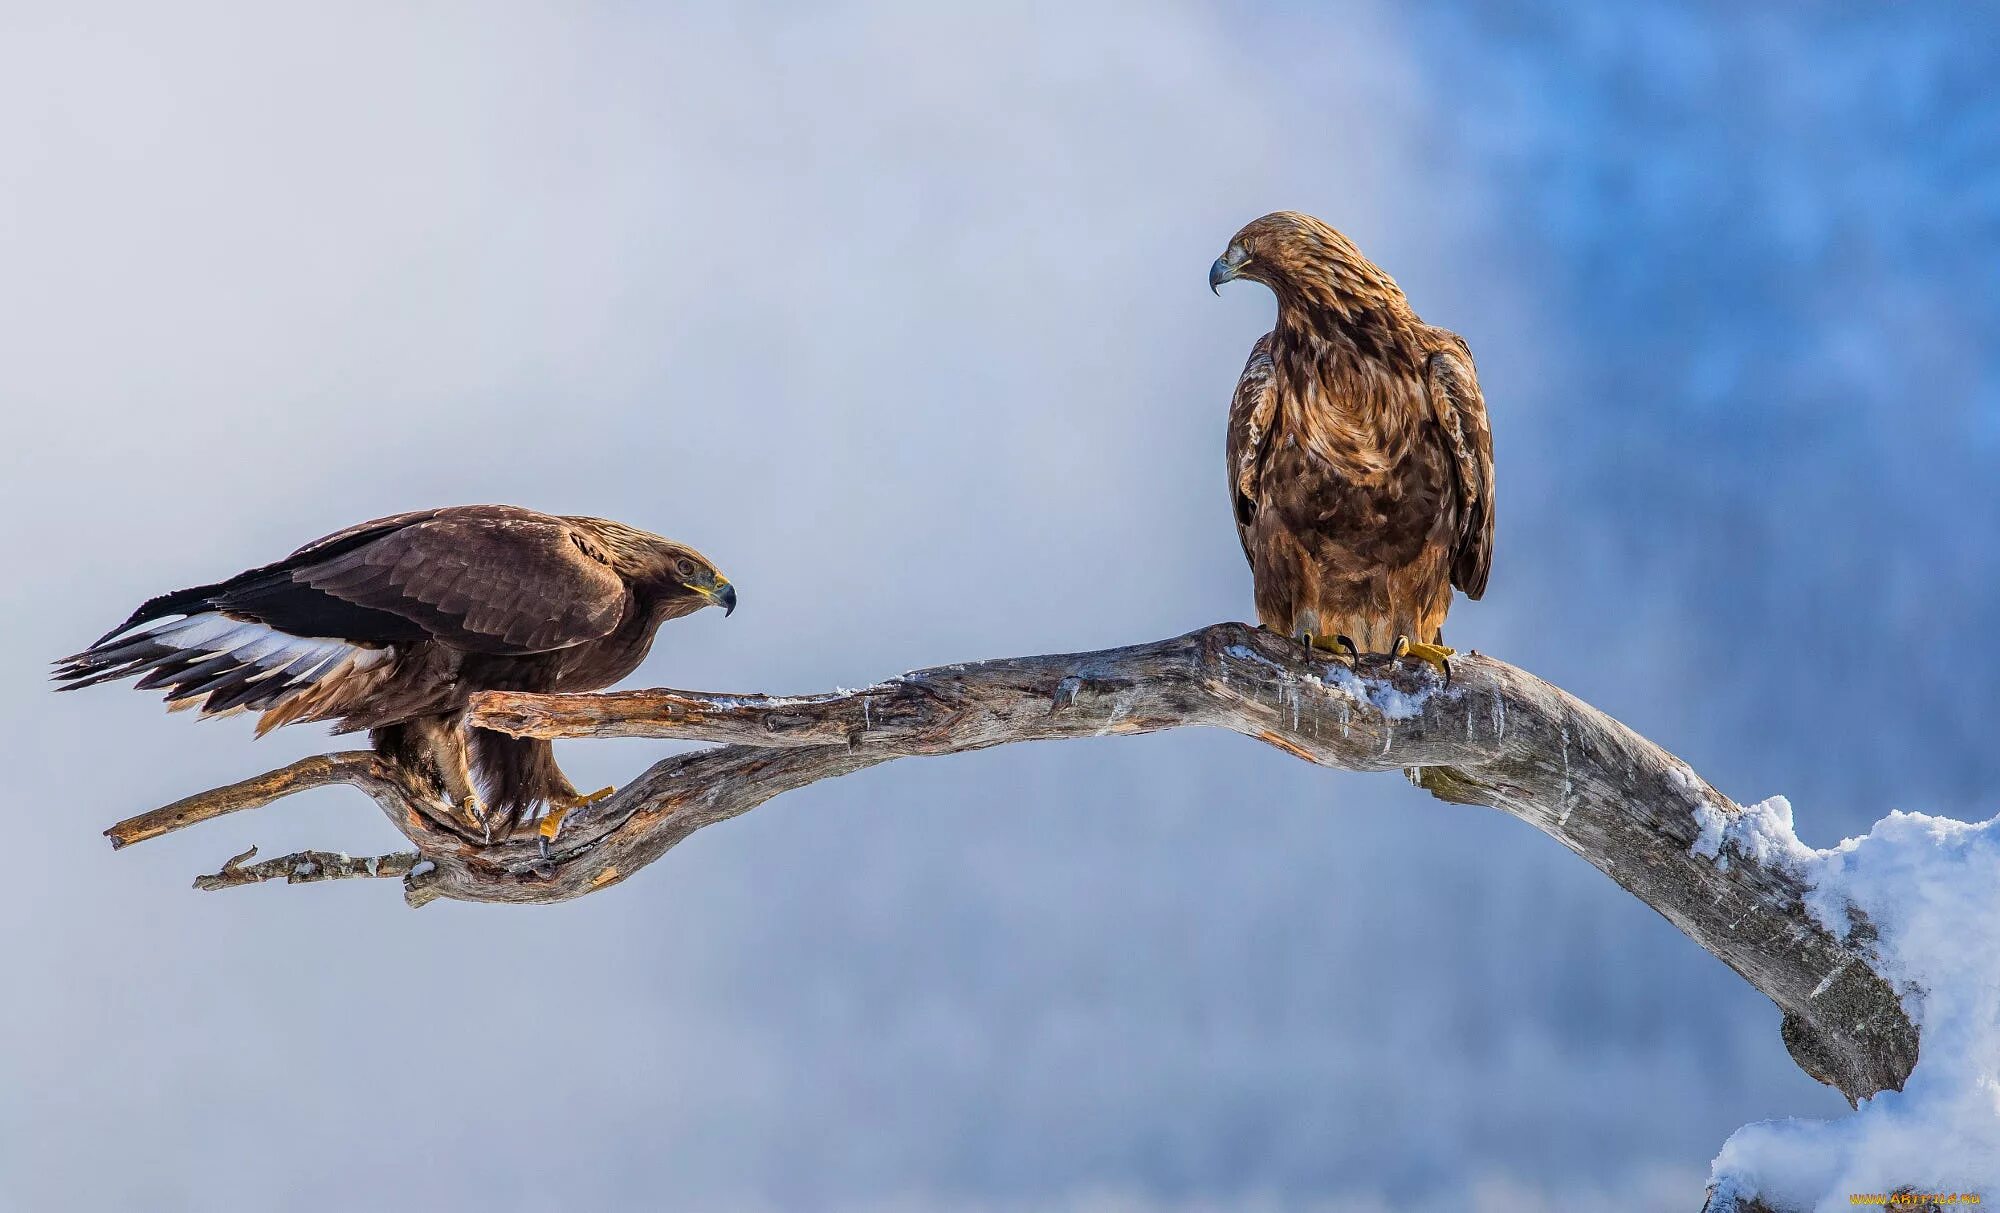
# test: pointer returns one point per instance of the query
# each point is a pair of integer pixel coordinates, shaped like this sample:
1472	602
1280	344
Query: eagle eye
684	567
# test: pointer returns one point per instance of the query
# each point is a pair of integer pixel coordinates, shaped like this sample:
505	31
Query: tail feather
222	664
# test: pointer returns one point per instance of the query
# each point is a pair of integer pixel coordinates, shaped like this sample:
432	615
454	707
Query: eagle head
692	573
1305	263
675	570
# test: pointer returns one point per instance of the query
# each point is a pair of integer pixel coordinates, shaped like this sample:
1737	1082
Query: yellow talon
1340	648
1436	656
551	822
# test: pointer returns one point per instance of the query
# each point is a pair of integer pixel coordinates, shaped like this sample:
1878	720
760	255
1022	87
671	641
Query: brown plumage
393	625
1360	460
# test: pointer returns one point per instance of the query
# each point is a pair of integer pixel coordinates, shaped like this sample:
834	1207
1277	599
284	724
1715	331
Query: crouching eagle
1360	460
392	626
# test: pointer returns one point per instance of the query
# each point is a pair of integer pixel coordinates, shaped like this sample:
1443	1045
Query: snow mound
1930	888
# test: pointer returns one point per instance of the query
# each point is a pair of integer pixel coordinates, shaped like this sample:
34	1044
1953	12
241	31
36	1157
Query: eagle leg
433	748
466	802
1435	655
561	807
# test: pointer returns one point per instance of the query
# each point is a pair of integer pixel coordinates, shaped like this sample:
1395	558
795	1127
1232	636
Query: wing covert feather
515	583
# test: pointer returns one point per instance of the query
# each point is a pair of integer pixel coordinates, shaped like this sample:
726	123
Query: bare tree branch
1493	736
318	771
305	867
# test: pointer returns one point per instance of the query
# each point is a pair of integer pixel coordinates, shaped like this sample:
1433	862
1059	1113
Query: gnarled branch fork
1493	736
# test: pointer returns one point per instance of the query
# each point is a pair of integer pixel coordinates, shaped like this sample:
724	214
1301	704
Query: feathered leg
520	773
434	748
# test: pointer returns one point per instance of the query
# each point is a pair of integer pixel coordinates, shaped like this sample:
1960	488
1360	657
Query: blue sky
900	315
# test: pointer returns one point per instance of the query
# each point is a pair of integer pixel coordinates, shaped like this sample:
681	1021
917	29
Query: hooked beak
721	594
1226	268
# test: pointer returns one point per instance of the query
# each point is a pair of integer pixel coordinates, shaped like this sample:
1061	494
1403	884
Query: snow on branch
1920	895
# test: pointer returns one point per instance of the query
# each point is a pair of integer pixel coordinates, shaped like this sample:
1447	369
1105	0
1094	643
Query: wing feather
1458	409
1251	411
484	582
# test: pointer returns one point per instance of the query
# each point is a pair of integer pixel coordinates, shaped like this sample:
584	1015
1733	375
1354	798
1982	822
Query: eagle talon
1437	656
551	823
473	816
1338	648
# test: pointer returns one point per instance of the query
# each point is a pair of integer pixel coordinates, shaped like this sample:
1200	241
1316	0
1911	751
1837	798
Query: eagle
393	625
1360	459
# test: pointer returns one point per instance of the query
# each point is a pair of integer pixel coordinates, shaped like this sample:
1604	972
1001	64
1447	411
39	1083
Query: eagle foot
472	815
551	822
1340	648
1436	656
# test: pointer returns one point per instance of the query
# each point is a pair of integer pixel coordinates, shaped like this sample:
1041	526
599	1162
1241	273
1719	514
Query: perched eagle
393	625
1360	461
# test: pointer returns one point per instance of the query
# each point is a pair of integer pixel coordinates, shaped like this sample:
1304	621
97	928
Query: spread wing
1458	410
1251	411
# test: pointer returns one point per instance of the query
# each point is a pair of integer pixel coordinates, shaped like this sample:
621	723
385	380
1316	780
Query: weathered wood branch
360	769
1493	736
305	867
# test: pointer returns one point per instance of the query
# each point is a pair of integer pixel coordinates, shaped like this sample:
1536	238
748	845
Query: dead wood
1493	736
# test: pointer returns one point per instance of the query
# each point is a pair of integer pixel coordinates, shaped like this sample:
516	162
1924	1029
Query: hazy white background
899	313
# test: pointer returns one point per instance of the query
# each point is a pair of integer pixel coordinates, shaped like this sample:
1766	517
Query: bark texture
1494	735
